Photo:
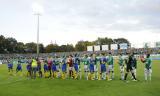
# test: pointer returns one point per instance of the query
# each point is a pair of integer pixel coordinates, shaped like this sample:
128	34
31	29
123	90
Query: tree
10	44
104	41
2	47
41	48
82	45
66	48
70	48
52	48
31	47
20	47
121	40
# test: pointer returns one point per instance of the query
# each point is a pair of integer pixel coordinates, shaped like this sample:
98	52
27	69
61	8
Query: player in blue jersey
19	67
76	64
54	70
103	61
96	59
28	67
92	62
10	65
64	67
45	66
46	69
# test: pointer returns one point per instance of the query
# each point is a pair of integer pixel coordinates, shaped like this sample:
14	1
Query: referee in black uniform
129	63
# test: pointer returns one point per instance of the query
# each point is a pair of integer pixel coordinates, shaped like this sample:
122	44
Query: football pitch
21	86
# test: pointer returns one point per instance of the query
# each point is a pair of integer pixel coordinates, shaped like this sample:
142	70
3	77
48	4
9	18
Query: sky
69	21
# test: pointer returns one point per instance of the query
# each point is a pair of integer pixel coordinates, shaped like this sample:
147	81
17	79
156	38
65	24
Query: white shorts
110	68
57	67
121	68
95	68
86	68
70	68
148	71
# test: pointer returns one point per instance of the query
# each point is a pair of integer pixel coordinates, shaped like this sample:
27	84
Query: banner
97	48
146	45
114	46
104	47
149	45
123	46
157	44
89	48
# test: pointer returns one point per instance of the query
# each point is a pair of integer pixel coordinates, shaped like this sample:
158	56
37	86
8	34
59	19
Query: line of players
95	67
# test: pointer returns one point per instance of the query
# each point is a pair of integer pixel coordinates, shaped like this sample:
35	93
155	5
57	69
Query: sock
80	75
145	75
125	77
59	74
86	75
96	75
135	73
150	76
112	74
122	75
134	76
104	76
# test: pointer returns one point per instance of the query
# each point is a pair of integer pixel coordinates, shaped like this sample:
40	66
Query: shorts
103	68
19	68
64	67
70	68
110	68
85	68
148	71
121	68
34	69
38	68
49	67
91	68
76	67
129	69
95	68
57	67
54	68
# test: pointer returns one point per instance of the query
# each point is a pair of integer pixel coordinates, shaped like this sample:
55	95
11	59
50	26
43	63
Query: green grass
17	86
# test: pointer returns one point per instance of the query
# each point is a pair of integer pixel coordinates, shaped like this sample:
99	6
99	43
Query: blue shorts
54	68
28	68
19	68
45	68
76	67
91	67
64	67
38	68
10	66
103	68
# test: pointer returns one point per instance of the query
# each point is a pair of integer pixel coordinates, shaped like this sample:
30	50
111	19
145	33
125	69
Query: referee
129	63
